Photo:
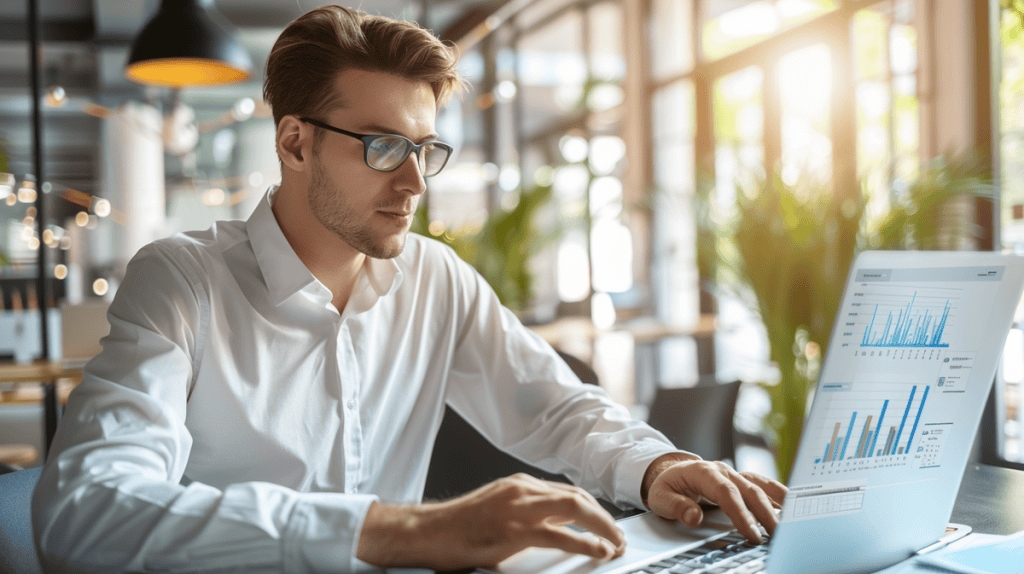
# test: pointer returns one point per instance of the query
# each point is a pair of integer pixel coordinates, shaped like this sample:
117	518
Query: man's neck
335	263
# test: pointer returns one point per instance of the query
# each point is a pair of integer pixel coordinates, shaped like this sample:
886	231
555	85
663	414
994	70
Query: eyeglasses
388	151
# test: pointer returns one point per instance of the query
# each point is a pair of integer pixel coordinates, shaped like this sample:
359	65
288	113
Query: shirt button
351	404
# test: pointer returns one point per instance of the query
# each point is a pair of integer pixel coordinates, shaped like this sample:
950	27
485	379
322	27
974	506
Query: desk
990	499
47	374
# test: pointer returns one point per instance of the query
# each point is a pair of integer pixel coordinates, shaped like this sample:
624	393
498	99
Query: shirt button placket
353	427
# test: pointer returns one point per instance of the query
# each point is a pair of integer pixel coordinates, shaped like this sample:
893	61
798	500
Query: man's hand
675	484
485	526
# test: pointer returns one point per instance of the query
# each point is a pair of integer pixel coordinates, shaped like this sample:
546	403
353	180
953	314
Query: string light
100	286
56	97
11	200
82	219
213	197
27	194
60	271
101	207
48	236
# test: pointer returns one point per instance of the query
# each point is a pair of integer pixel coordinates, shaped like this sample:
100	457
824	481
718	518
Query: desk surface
990	499
44	372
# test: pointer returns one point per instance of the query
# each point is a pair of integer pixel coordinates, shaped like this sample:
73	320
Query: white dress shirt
236	420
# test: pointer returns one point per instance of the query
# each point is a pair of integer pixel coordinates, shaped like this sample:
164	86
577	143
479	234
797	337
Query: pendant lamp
187	45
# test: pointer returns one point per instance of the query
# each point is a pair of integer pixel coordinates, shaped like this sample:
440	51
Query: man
268	393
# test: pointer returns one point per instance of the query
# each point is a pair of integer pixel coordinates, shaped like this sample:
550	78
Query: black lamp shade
186	45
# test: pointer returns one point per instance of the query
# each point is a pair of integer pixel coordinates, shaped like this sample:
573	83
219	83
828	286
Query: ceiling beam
54	30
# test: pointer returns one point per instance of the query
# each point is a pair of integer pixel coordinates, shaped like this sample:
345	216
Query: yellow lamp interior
181	72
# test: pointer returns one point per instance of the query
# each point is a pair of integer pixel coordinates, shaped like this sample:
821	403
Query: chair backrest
698	419
17	549
463	459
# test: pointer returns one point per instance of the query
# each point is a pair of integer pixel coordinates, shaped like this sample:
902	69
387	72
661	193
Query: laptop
909	368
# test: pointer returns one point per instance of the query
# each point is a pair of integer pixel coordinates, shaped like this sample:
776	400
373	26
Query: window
1009	414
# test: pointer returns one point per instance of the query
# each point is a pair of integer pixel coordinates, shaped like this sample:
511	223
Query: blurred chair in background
17	549
464	460
698	419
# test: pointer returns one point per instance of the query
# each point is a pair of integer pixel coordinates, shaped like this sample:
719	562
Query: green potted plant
501	249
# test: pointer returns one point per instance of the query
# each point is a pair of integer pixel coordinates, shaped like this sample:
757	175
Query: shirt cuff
634	466
323	532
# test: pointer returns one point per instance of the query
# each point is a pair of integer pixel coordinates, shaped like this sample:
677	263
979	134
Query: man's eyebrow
381	129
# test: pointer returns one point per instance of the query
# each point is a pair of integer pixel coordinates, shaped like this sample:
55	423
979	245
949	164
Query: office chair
698	419
17	549
463	459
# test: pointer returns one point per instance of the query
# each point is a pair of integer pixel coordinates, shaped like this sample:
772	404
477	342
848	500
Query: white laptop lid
909	368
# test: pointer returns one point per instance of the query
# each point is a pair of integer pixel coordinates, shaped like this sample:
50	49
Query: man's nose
409	176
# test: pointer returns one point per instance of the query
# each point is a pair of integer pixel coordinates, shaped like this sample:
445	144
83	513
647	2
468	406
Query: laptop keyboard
730	554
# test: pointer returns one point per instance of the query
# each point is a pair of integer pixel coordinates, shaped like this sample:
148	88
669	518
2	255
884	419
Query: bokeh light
101	207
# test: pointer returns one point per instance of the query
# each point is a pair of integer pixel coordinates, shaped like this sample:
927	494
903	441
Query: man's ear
294	136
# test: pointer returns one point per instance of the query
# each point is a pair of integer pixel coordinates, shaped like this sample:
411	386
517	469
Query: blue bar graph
846	441
906	411
874	438
881	419
911	328
913	429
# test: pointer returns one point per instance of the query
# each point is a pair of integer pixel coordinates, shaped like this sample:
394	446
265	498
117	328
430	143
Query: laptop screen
909	367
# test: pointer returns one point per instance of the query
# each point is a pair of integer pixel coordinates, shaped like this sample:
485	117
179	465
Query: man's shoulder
220	236
193	252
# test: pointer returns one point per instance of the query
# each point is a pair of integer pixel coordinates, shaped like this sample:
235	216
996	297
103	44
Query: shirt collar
285	274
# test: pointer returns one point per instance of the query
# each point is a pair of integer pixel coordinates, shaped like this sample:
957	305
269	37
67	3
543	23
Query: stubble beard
336	215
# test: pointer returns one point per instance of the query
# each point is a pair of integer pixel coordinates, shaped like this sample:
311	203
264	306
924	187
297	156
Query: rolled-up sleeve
515	389
113	496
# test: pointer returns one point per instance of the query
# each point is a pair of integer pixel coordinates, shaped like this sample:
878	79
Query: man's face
368	209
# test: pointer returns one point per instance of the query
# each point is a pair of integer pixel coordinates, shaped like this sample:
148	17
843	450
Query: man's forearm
391	535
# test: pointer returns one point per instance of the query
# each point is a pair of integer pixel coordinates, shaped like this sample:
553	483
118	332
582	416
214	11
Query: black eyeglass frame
368	139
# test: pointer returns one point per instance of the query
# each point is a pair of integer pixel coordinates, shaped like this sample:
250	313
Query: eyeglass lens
385	153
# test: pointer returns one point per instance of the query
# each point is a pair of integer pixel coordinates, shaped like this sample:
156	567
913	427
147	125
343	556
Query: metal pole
50	405
37	167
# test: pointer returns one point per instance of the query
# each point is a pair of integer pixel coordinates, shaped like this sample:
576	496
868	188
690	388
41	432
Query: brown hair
320	44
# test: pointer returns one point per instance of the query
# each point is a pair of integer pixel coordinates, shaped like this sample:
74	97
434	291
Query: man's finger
727	496
757	502
569	540
581	509
773	488
680	507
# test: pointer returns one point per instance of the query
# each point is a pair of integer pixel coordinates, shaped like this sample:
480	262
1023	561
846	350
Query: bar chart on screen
900	322
878	426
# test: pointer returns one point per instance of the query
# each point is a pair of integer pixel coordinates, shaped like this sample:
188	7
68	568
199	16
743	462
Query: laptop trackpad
647	537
